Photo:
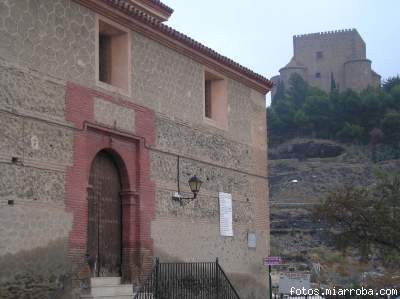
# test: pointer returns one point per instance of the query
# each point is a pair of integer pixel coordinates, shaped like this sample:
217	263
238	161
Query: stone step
144	296
105	281
107	297
112	290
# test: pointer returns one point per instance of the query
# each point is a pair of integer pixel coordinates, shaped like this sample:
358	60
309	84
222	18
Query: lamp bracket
182	200
195	189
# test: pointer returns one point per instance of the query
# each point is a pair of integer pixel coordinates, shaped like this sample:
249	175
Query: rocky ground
301	174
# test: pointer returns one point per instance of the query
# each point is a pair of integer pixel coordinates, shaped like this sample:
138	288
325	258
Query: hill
318	142
371	117
296	186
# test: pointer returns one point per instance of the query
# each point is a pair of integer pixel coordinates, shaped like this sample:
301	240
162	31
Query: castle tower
338	55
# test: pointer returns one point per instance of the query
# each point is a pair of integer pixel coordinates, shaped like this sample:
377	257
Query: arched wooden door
104	243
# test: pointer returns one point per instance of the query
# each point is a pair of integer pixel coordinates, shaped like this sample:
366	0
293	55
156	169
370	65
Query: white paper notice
225	214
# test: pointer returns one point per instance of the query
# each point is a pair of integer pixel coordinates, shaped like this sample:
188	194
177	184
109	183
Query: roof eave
155	8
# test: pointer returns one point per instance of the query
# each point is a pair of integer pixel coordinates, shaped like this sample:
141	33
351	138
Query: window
319	55
318	75
215	99
207	100
113	55
104	58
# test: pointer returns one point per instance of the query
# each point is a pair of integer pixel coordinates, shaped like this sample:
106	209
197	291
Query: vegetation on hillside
366	219
370	117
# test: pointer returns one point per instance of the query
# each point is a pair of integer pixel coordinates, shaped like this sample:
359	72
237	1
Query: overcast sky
258	33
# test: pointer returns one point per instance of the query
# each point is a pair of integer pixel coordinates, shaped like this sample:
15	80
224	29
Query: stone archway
130	153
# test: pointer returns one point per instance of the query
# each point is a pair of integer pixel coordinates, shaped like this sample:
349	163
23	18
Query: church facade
105	113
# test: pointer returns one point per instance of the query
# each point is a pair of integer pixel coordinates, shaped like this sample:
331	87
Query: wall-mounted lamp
194	184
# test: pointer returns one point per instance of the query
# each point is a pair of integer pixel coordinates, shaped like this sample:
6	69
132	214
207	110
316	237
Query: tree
390	82
286	110
350	133
275	126
371	109
391	127
333	83
376	136
306	111
395	93
317	110
302	122
298	89
349	106
366	219
280	91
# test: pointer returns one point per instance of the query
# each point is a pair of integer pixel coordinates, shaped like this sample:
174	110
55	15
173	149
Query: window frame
219	99
108	86
208	98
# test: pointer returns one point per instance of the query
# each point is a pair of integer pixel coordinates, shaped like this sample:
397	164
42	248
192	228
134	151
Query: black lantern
195	184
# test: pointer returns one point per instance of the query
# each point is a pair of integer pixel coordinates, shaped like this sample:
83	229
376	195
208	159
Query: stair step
144	296
113	290
105	281
106	297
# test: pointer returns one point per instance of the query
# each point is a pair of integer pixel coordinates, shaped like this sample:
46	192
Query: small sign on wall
251	240
225	214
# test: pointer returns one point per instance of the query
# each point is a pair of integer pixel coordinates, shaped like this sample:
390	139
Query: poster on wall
225	214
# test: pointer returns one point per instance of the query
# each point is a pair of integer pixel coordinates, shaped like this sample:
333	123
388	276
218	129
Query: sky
258	33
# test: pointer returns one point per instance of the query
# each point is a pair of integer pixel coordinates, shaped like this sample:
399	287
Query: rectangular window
105	58
215	99
318	75
113	55
319	55
207	100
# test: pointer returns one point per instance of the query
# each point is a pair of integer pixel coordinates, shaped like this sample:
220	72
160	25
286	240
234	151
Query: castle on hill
337	57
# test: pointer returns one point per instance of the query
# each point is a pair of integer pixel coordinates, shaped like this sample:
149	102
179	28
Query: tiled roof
156	5
126	7
160	5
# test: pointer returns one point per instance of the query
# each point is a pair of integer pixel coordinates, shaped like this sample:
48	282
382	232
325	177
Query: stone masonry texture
55	117
54	37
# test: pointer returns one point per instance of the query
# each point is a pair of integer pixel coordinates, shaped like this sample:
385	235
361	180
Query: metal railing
187	281
323	296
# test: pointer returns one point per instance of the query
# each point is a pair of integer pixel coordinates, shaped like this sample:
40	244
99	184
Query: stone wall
357	73
42	44
227	161
336	48
198	222
55	37
286	73
43	272
47	45
35	147
166	82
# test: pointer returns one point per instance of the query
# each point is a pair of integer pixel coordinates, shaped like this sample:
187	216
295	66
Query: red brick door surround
131	154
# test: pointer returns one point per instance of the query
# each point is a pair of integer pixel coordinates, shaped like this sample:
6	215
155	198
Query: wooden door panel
92	232
105	216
